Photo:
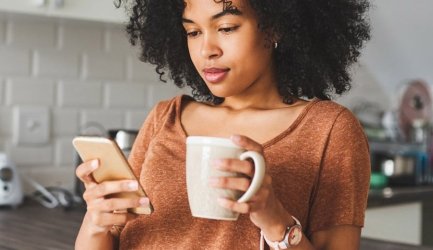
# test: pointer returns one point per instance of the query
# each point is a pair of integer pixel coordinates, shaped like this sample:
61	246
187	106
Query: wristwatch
291	238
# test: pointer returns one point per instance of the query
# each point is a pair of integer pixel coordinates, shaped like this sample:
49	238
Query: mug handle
259	174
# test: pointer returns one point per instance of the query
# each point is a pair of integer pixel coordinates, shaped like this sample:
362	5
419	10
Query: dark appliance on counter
124	138
402	164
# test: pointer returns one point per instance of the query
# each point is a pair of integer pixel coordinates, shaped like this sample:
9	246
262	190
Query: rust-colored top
320	168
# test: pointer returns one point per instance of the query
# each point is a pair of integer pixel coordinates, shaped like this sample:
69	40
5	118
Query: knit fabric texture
320	168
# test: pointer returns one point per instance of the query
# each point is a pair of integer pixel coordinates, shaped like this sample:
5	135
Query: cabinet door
21	6
397	223
95	10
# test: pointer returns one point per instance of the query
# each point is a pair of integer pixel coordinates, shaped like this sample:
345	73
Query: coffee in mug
201	151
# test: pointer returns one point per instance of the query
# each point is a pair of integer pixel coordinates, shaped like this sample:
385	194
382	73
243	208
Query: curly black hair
318	40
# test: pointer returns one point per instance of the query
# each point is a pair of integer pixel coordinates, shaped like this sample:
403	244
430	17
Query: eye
227	30
192	34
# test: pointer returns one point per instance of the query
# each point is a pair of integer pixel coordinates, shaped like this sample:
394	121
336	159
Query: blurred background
67	69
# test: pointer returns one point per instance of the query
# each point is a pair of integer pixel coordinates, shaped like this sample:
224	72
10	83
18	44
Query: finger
234	206
234	183
256	206
85	170
117	204
235	165
261	195
247	143
109	187
110	219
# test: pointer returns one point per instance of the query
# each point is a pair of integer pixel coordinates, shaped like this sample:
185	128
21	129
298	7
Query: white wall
398	53
83	72
400	49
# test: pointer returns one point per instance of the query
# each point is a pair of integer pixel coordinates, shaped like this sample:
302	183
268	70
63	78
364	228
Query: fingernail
213	181
222	201
235	138
94	164
144	201
133	185
217	162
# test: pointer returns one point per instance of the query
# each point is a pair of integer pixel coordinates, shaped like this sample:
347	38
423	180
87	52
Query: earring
275	45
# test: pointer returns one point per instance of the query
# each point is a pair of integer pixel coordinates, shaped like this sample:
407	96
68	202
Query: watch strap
284	243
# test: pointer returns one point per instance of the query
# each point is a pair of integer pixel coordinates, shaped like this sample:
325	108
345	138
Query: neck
263	99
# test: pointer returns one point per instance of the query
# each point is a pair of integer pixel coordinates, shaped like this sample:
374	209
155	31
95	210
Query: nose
210	47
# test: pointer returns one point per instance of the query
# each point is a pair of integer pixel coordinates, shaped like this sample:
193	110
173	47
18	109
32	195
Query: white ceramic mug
200	153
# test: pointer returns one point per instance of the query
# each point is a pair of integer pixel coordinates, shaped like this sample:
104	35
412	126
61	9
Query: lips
215	75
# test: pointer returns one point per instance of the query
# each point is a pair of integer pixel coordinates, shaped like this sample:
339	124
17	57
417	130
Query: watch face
295	236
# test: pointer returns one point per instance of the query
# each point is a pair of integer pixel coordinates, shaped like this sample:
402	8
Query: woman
261	73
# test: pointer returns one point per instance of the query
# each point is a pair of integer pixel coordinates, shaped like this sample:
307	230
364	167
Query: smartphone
113	165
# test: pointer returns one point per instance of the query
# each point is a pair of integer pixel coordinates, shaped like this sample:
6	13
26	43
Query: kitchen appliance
11	192
124	139
400	164
415	111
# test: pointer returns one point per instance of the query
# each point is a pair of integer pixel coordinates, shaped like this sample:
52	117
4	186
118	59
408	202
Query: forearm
87	239
342	237
275	230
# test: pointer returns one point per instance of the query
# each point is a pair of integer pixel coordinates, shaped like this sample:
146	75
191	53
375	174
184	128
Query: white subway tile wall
5	122
64	152
102	65
2	31
109	118
65	122
161	91
117	40
14	61
55	63
30	157
119	95
85	72
28	91
1	91
79	94
134	119
140	72
33	35
82	37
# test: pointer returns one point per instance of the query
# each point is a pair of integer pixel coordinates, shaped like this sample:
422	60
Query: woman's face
227	47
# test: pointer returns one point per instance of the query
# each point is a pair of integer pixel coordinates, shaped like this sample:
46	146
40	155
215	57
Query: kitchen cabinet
398	223
400	215
93	10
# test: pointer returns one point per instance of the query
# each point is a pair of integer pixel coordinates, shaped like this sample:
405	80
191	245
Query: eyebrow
230	11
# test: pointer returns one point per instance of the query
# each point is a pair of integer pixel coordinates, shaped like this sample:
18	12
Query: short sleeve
341	193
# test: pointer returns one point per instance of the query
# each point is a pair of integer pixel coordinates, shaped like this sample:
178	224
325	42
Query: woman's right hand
103	212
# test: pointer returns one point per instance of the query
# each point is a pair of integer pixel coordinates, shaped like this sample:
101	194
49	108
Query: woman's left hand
264	208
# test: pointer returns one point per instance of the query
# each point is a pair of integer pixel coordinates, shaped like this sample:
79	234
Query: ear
275	36
271	38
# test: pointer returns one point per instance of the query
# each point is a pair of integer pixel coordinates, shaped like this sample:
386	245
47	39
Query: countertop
34	227
370	244
398	195
402	195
